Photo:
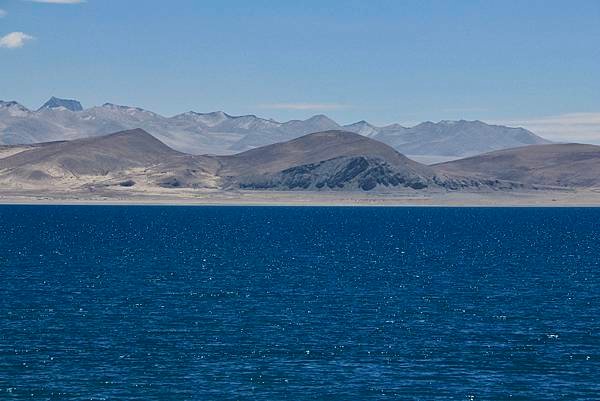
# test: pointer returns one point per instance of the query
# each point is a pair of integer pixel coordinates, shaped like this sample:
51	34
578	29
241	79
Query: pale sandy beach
566	198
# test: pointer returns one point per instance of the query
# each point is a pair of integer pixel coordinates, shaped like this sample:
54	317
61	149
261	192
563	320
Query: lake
299	303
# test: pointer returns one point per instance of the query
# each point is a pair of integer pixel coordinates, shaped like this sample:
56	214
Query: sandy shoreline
580	198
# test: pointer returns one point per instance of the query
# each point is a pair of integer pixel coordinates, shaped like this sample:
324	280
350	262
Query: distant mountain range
221	133
134	161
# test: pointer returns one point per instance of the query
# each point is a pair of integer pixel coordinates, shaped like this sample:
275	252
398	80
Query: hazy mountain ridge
453	138
221	133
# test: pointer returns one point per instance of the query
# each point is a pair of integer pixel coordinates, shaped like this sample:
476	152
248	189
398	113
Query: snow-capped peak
210	119
14	109
363	128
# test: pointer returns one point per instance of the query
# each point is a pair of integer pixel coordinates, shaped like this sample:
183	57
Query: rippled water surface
227	303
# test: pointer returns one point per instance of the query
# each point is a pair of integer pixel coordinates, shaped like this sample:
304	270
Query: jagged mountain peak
13	109
319	118
218	113
132	111
210	119
59	103
394	126
461	122
220	133
362	127
121	107
12	103
361	123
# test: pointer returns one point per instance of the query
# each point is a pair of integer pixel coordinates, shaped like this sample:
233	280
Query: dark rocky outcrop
344	173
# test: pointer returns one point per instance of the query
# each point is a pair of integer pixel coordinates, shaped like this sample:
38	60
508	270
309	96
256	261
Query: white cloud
58	1
304	106
570	127
14	40
3	13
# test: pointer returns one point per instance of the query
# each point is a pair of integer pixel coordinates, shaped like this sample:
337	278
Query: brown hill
563	165
90	156
330	159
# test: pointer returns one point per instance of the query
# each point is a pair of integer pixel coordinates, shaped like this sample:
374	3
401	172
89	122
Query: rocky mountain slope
330	159
134	159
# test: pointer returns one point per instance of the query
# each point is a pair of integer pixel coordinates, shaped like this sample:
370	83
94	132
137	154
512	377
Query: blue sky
527	62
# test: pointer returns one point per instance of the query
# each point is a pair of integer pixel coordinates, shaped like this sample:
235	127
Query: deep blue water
227	303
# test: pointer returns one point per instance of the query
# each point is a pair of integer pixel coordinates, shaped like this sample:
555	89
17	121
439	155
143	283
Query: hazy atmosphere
532	64
299	200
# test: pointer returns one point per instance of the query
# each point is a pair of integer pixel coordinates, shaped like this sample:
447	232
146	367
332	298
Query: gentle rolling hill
331	160
562	165
90	156
327	160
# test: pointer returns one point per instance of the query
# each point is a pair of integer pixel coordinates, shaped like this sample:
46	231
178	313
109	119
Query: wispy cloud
58	1
569	127
3	13
14	40
304	106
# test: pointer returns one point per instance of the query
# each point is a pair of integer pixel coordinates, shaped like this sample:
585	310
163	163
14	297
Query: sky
528	63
